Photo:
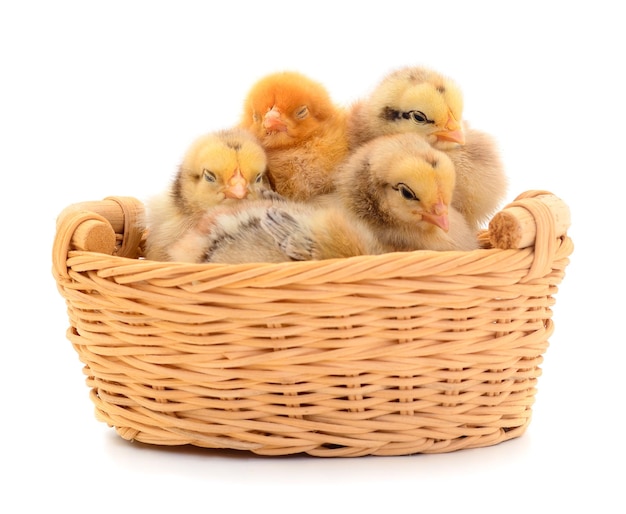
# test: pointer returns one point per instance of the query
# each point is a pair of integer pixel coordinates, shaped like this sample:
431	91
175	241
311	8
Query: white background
102	98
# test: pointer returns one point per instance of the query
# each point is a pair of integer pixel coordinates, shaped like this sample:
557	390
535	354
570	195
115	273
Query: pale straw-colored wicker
395	354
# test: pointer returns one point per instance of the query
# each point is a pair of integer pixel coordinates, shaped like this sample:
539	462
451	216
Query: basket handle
92	227
536	218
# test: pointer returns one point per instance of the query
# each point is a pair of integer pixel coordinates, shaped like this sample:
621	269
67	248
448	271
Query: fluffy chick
274	231
301	129
220	167
402	188
423	101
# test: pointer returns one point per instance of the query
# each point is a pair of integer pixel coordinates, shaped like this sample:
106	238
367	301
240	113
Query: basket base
287	440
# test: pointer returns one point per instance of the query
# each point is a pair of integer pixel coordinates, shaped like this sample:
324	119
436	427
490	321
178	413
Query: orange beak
237	186
453	131
438	216
272	122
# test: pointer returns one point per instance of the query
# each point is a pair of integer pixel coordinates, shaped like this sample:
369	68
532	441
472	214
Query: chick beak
438	216
453	131
272	121
237	186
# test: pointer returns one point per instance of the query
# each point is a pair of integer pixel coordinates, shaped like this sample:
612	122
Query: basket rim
122	222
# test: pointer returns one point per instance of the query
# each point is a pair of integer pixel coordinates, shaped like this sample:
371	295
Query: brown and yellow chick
402	188
425	102
218	168
301	129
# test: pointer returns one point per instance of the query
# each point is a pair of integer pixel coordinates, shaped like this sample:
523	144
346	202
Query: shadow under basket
393	354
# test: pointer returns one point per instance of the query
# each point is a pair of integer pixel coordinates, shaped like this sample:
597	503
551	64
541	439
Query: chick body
301	129
218	168
481	183
274	231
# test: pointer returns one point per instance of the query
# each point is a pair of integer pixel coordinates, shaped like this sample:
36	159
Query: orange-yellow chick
423	101
301	129
218	168
402	188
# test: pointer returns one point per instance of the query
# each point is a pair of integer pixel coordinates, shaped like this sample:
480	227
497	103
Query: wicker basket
401	353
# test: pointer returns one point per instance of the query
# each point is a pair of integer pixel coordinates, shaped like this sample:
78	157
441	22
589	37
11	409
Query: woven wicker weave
402	353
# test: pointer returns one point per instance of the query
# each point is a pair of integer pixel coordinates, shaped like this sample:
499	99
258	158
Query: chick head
418	100
406	183
219	167
286	108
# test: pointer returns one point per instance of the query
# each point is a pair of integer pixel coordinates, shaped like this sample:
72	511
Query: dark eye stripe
417	116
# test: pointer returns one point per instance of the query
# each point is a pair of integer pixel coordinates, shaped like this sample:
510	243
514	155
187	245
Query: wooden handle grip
94	225
516	226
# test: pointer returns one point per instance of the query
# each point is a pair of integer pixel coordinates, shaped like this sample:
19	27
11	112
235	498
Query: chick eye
417	117
302	112
259	178
255	117
406	192
209	176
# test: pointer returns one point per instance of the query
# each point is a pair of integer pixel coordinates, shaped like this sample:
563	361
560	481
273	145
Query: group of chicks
303	178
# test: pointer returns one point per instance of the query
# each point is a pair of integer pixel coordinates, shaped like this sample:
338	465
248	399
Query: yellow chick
402	188
218	168
423	101
302	131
